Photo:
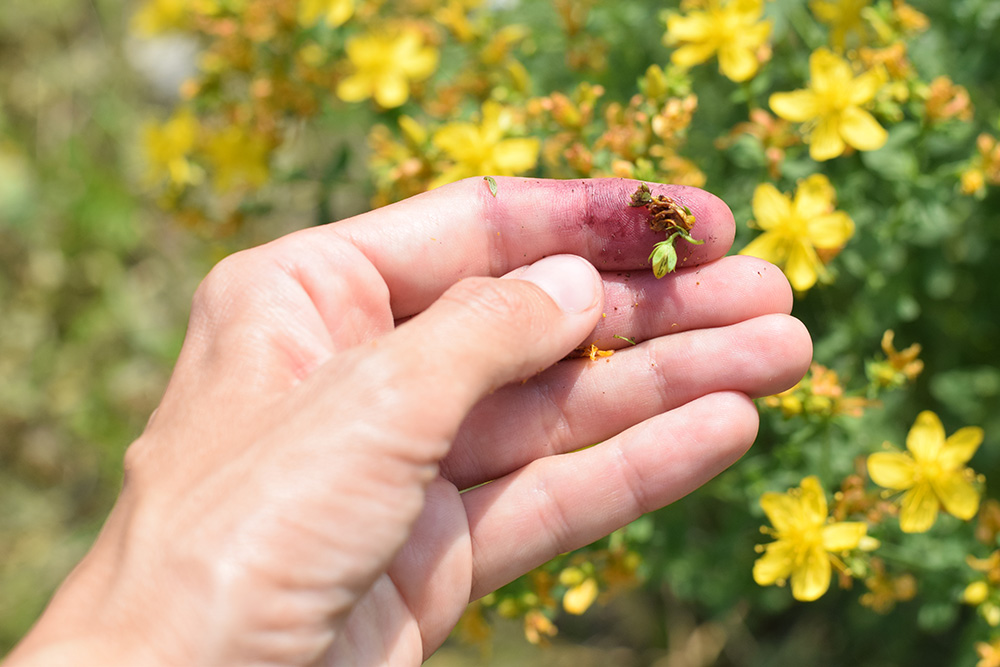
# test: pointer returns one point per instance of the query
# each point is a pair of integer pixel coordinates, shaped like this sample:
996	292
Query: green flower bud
663	258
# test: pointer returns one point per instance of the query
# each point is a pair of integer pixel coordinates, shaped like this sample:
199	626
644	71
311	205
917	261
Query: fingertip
741	420
789	346
714	220
569	280
768	279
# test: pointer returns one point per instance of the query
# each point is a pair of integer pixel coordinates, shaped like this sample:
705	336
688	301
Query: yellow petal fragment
844	536
354	88
769	246
860	129
865	87
695	27
802	268
813	500
690	55
918	509
831	231
456	138
825	142
420	64
814	197
926	438
775	565
957	494
829	73
892	470
960	447
770	207
782	510
812	579
516	155
797	106
392	91
737	63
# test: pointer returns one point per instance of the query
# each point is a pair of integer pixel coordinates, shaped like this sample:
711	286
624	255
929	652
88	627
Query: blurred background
112	208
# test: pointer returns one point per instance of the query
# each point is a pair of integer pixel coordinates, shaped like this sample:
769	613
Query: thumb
481	334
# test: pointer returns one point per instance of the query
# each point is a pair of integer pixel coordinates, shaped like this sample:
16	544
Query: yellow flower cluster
641	139
573	586
931	475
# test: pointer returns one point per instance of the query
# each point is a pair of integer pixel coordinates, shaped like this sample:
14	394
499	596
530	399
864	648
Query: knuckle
222	283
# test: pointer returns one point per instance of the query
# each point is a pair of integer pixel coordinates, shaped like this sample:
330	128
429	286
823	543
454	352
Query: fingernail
568	279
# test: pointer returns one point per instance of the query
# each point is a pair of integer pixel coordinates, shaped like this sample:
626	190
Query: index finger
424	244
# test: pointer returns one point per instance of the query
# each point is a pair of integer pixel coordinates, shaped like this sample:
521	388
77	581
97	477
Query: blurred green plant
877	118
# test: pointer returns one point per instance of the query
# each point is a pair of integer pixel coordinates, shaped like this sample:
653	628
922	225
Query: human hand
296	496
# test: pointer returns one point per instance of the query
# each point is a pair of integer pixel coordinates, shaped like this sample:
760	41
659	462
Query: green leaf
896	161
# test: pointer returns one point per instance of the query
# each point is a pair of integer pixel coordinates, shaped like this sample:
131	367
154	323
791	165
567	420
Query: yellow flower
900	366
843	17
479	149
805	540
976	593
732	29
580	597
795	229
168	147
238	157
335	12
932	472
538	628
832	105
385	65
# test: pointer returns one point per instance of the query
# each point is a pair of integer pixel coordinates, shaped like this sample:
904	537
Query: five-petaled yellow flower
795	228
805	540
932	472
832	107
385	65
334	12
482	148
733	29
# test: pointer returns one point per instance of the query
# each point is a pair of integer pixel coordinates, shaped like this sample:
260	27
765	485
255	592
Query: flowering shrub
856	142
